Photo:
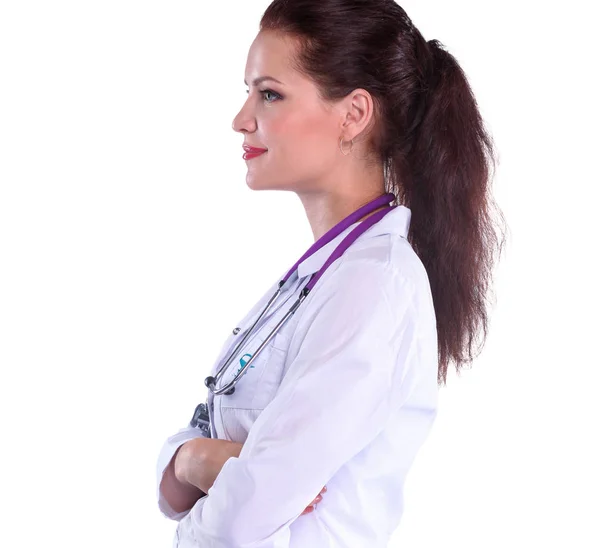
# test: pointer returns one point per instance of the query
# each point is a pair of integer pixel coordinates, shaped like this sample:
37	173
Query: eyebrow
260	79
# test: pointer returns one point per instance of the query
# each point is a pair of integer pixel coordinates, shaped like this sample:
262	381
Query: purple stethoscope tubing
384	200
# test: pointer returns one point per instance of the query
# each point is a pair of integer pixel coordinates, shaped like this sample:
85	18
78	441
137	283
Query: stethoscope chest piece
201	419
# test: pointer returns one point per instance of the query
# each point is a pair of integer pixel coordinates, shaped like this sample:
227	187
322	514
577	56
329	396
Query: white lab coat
344	395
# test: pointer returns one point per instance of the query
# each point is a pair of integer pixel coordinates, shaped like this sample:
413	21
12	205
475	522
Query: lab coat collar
396	222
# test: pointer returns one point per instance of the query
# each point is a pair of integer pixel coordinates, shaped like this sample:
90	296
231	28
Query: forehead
270	54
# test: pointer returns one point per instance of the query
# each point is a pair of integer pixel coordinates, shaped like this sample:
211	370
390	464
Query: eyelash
274	93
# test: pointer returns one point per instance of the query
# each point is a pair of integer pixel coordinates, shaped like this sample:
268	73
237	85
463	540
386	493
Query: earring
351	145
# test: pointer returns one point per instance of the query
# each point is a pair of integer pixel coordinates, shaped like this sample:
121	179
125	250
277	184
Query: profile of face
286	116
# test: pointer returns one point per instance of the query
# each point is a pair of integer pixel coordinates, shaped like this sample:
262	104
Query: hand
200	460
310	508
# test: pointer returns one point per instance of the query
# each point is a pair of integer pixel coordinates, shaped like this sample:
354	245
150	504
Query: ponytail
443	174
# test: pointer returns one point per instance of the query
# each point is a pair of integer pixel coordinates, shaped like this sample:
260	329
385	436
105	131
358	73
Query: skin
301	133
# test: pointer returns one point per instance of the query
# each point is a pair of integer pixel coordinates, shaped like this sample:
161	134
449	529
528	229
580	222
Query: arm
354	368
165	470
196	469
193	469
201	461
180	494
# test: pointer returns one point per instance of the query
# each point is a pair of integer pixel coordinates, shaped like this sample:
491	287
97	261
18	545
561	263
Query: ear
357	112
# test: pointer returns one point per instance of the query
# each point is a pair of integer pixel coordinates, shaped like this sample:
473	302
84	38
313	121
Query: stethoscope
384	200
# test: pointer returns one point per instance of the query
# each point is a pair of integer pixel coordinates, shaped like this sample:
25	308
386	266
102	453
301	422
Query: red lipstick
252	152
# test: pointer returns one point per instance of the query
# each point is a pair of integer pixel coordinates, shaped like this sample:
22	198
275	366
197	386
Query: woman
347	103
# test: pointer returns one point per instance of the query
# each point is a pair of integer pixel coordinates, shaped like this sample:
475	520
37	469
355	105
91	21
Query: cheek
295	136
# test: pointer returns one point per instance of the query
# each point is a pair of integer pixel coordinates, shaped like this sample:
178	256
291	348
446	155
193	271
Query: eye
276	95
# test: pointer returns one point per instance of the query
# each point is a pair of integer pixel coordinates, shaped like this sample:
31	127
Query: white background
130	245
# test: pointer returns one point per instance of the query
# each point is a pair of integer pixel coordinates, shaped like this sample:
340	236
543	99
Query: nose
244	121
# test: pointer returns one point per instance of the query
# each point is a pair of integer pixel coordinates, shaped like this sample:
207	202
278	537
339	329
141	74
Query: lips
253	150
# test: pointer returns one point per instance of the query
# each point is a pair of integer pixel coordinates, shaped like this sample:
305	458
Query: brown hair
428	133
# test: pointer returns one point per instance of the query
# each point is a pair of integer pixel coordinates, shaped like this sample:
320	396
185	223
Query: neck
326	210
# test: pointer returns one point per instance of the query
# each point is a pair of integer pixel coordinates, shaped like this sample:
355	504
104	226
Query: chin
254	183
259	183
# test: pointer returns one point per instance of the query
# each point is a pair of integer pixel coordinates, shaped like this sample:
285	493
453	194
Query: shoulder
381	273
387	260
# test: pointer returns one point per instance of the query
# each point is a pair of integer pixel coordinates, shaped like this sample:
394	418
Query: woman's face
299	130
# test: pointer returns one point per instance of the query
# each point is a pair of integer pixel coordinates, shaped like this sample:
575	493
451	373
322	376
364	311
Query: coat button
236	330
